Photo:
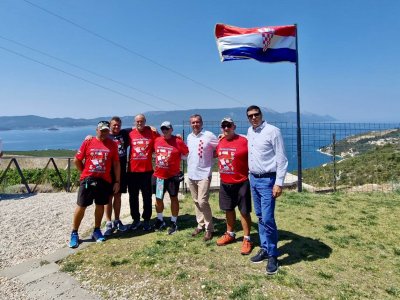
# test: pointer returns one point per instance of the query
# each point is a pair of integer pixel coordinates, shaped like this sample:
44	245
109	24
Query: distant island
156	117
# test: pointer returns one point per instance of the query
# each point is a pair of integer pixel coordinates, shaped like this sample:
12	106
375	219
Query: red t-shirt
233	159
98	158
168	156
141	151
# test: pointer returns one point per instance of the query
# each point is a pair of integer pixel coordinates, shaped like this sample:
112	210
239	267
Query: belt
264	175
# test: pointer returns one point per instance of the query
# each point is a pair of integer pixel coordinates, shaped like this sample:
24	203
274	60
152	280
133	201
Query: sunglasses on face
253	115
226	125
164	128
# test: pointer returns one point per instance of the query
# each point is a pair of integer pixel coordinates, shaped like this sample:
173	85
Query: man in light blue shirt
267	166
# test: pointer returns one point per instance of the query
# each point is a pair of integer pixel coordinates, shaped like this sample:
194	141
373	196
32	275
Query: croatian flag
266	44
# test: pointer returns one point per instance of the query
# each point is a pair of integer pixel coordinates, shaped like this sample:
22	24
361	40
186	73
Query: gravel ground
34	226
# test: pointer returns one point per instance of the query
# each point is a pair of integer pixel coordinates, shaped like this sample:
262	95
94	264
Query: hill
156	117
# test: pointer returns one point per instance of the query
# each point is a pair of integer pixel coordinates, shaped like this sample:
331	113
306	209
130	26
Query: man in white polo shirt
201	144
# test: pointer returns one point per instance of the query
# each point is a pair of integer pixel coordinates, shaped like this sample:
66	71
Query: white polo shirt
201	154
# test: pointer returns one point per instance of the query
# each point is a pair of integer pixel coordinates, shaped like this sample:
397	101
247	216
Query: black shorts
94	189
171	185
236	194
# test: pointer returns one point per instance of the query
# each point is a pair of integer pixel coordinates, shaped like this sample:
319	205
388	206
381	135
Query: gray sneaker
109	229
135	225
119	226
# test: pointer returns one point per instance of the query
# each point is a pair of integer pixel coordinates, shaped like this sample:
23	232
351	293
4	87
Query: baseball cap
166	124
103	125
227	120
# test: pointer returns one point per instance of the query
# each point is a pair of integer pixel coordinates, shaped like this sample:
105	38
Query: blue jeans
264	207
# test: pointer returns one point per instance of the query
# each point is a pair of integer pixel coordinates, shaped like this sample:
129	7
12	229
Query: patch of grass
323	252
393	291
71	266
43	262
241	292
325	275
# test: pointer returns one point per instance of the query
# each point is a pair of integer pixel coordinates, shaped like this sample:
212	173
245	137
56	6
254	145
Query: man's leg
98	215
133	189
108	209
117	206
204	205
78	216
174	206
230	220
245	220
193	187
146	189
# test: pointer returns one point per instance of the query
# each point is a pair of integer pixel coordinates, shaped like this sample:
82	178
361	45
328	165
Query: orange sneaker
226	239
247	246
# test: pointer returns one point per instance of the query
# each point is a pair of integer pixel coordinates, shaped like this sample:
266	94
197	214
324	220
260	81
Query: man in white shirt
201	145
267	166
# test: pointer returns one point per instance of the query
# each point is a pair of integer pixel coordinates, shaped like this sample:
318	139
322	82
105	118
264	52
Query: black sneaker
259	257
135	225
146	226
173	228
159	225
272	265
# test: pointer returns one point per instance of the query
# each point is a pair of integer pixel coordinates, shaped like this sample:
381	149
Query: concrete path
44	280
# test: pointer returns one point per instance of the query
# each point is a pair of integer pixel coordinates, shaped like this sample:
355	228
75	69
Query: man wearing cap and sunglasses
169	150
235	187
95	159
268	166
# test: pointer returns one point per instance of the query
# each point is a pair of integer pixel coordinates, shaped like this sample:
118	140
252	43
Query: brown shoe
208	236
197	231
225	239
247	246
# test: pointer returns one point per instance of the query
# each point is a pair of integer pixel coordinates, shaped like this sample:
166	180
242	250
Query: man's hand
276	191
88	137
116	187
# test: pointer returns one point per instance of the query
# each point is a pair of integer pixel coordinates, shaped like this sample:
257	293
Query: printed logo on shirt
140	148
226	156
162	156
120	143
97	160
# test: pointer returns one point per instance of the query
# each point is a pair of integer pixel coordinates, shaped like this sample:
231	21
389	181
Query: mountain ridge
156	117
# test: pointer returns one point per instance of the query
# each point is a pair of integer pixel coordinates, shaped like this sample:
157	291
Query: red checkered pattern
267	35
200	148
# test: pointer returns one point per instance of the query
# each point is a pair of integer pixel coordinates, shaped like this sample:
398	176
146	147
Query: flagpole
299	166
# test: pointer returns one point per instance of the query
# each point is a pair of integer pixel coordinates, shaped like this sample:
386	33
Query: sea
314	136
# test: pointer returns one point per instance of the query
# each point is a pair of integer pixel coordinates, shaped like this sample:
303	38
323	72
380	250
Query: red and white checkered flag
267	35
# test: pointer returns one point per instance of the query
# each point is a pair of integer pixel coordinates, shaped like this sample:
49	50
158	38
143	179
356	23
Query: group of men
252	167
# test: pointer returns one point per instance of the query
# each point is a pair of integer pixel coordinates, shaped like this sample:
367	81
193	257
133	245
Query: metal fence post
69	175
334	160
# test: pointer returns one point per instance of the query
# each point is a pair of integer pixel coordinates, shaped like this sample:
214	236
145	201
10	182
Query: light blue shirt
267	152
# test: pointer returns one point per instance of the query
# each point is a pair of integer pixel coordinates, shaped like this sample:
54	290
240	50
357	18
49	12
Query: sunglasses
253	115
164	128
227	125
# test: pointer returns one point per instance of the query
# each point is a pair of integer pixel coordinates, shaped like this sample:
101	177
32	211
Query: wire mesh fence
338	156
335	156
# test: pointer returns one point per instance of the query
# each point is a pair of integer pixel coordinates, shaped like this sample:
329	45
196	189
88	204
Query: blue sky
349	58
